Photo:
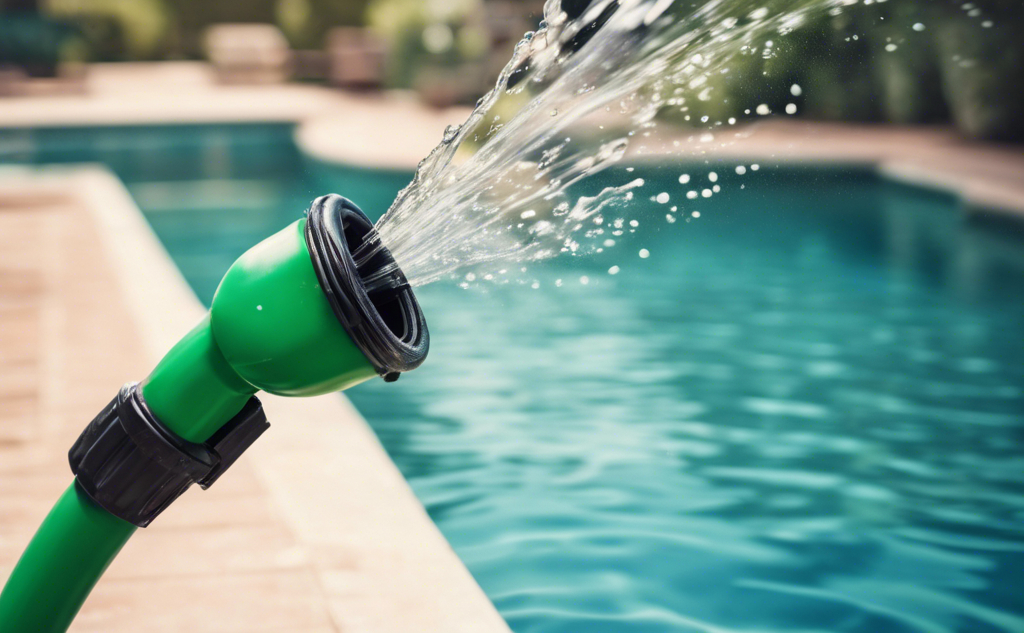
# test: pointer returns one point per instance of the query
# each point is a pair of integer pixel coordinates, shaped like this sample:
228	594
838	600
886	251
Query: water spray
291	317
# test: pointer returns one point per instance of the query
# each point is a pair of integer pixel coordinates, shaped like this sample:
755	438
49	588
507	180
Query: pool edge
377	558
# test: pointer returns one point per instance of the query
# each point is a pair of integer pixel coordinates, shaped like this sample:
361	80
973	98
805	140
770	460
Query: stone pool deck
314	530
988	177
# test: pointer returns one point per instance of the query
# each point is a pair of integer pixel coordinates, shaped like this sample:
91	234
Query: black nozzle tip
386	323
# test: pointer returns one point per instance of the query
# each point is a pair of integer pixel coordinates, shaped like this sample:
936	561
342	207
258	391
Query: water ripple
734	438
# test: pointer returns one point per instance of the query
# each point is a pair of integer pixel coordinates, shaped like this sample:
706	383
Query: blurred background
892	67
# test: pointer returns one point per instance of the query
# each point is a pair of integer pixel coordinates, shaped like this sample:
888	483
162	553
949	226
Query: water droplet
755	167
696	214
535	285
644	253
450	133
890	47
259	308
558	283
918	27
479	204
790	108
614	270
470	277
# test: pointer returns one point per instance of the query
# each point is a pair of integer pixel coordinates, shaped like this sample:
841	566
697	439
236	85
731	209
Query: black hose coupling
133	466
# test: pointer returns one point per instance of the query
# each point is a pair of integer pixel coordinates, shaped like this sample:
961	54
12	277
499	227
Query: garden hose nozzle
293	317
275	315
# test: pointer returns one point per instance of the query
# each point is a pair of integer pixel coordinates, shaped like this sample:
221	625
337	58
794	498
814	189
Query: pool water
803	412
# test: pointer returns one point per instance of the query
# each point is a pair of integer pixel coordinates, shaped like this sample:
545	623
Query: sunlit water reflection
802	412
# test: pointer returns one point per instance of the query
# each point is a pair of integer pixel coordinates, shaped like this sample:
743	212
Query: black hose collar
334	228
133	466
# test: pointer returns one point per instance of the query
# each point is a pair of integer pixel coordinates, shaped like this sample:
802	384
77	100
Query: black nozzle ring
387	326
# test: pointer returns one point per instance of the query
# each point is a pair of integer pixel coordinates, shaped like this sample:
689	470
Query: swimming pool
804	412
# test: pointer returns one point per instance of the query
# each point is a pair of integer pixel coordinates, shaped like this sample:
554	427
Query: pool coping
987	178
406	576
344	128
337	125
931	158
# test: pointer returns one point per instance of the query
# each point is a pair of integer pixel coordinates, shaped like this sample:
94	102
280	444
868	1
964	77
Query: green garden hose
291	317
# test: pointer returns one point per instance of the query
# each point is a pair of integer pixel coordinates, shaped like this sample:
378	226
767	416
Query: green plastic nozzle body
270	328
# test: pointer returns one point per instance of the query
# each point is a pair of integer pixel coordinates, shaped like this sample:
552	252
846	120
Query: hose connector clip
133	466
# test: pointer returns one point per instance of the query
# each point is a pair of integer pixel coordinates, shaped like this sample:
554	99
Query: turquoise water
804	412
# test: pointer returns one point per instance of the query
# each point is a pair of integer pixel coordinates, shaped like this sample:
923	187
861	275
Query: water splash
603	77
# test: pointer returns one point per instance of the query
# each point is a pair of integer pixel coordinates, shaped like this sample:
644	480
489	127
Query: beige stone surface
984	174
314	530
388	130
395	131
